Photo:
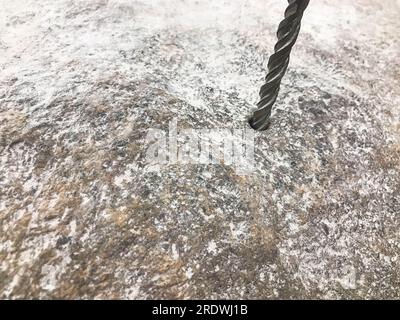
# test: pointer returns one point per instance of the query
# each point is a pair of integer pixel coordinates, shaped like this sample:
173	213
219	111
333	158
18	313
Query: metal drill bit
277	65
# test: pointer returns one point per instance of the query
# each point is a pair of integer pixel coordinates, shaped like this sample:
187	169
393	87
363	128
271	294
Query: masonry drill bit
288	32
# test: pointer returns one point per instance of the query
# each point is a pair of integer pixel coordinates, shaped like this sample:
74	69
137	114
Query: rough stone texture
81	214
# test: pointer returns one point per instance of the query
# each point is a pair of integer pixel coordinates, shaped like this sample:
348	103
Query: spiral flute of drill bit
288	32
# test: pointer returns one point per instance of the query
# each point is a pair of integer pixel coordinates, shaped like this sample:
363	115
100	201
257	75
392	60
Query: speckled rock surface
81	214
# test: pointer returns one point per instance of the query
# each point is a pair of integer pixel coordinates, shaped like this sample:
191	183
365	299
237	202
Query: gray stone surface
83	216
